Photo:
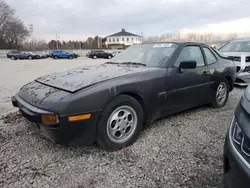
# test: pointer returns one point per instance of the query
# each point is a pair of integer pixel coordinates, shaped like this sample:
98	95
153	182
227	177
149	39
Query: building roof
123	33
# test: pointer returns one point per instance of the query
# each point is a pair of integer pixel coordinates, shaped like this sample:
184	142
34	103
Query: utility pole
31	29
98	42
56	40
80	45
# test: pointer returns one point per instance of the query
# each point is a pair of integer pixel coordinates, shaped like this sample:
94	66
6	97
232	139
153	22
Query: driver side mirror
187	65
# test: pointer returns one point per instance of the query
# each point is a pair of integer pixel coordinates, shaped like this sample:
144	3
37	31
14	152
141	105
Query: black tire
55	57
70	57
109	57
102	133
215	103
30	58
94	57
12	58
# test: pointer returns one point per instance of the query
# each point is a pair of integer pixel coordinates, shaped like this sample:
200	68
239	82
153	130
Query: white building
122	40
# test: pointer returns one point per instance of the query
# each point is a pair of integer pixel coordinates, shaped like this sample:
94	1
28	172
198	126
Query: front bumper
236	173
236	166
242	79
65	132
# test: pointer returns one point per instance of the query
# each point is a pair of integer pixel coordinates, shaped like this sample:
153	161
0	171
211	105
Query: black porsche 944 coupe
109	103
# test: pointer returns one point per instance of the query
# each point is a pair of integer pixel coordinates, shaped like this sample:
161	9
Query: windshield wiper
110	62
133	63
126	63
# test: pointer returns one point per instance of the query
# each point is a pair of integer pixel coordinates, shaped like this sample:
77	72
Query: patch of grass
82	55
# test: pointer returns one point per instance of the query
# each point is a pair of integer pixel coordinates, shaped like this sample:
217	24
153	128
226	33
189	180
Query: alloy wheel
221	93
122	124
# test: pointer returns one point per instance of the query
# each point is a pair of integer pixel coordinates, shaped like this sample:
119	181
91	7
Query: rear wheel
221	95
55	57
70	57
109	57
94	57
120	123
30	58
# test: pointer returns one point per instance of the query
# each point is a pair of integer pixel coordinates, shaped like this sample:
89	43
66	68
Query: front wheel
30	58
94	57
70	57
221	95
120	123
13	58
109	57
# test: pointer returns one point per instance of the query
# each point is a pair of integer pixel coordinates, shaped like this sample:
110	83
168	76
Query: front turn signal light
49	118
79	117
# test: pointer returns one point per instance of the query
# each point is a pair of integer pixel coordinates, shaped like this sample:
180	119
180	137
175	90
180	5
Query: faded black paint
164	90
80	78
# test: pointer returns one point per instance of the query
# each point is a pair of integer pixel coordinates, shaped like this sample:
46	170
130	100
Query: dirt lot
184	150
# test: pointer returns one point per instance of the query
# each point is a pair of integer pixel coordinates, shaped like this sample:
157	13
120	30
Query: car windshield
152	55
236	46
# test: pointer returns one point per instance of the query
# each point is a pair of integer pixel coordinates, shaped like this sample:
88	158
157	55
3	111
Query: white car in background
239	52
116	53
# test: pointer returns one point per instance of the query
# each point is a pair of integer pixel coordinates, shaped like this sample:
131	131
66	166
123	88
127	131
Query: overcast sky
76	19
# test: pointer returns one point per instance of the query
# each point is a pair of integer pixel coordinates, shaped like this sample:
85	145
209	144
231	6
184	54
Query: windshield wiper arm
133	63
110	62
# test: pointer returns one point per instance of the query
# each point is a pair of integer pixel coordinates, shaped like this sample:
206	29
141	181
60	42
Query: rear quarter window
209	56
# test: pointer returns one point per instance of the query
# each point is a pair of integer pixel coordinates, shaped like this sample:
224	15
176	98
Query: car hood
80	78
237	54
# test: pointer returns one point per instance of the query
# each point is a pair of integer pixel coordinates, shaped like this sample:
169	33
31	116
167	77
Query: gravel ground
184	150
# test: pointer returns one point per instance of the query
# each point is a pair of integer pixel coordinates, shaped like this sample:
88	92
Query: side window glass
190	53
209	56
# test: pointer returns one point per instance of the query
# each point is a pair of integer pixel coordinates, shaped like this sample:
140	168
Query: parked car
35	55
49	54
110	103
88	54
237	146
116	53
11	54
74	54
42	55
239	52
100	54
56	54
20	55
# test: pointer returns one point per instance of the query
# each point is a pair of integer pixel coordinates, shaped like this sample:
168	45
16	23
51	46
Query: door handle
206	73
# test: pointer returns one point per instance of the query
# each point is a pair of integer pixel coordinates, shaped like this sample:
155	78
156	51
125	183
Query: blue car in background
56	54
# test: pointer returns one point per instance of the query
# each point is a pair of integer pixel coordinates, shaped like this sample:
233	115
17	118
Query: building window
109	39
113	39
127	39
122	39
117	39
132	39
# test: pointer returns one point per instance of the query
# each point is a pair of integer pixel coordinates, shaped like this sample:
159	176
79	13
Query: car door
22	55
64	54
187	88
211	61
101	54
